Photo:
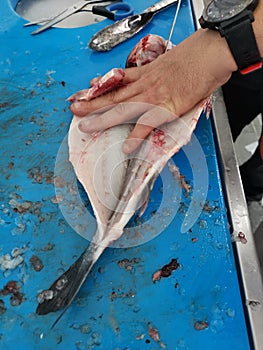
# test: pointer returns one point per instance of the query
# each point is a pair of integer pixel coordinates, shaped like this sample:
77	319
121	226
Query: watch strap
241	40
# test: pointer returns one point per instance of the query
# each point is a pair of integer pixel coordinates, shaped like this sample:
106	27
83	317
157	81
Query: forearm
211	52
212	56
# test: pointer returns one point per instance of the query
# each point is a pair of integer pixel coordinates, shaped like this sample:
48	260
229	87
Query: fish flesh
147	50
117	184
111	80
116	33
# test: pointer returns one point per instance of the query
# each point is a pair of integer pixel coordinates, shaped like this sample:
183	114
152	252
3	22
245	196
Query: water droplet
218	221
38	333
230	312
219	245
202	224
136	309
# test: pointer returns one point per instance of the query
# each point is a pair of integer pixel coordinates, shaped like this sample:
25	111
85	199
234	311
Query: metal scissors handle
115	11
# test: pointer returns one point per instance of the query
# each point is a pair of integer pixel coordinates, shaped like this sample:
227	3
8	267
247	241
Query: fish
115	34
111	80
147	50
117	184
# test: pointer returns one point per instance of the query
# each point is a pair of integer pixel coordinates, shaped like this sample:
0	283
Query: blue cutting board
119	307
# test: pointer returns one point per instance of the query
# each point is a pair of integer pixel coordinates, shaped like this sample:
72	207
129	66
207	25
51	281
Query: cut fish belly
148	49
109	81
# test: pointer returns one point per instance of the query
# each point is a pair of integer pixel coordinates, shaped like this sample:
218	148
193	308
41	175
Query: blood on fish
97	158
147	50
106	83
158	137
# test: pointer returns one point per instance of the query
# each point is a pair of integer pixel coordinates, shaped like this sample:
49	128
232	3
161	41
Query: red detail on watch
251	68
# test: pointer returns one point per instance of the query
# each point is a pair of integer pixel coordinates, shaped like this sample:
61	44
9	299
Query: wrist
202	63
233	19
218	58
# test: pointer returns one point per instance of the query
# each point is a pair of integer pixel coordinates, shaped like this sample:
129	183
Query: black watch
233	18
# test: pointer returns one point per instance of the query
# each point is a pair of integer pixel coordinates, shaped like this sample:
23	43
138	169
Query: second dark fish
114	34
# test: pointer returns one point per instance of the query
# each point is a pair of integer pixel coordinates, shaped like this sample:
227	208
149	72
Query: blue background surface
116	306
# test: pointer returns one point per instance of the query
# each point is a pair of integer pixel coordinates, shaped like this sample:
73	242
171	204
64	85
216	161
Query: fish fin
64	289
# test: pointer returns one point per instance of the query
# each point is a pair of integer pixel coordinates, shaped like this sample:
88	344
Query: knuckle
120	108
114	96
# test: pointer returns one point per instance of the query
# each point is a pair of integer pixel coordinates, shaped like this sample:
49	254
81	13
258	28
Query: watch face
221	10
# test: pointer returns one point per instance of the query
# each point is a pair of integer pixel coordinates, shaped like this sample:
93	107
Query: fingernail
77	109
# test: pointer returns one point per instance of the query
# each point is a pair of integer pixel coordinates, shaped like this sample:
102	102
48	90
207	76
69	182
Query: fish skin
116	33
134	176
81	145
106	83
141	169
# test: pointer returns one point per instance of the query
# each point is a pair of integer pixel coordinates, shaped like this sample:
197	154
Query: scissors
116	10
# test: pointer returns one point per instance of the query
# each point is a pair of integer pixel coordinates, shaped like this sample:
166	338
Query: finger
150	120
117	114
123	93
129	76
83	108
132	142
132	74
78	110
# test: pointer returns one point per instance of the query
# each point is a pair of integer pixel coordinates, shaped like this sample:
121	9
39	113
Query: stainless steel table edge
246	256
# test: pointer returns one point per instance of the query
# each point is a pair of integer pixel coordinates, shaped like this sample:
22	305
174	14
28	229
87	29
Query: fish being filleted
117	185
148	49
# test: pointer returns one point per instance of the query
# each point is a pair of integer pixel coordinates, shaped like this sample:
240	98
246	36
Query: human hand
176	81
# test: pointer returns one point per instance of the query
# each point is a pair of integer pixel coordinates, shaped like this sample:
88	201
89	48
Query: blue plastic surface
123	10
197	307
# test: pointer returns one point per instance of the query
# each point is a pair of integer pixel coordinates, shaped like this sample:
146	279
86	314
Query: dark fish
114	34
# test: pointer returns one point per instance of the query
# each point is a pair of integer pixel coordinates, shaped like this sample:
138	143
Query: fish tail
61	293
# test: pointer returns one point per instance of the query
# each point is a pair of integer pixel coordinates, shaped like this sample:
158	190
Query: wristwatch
233	18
